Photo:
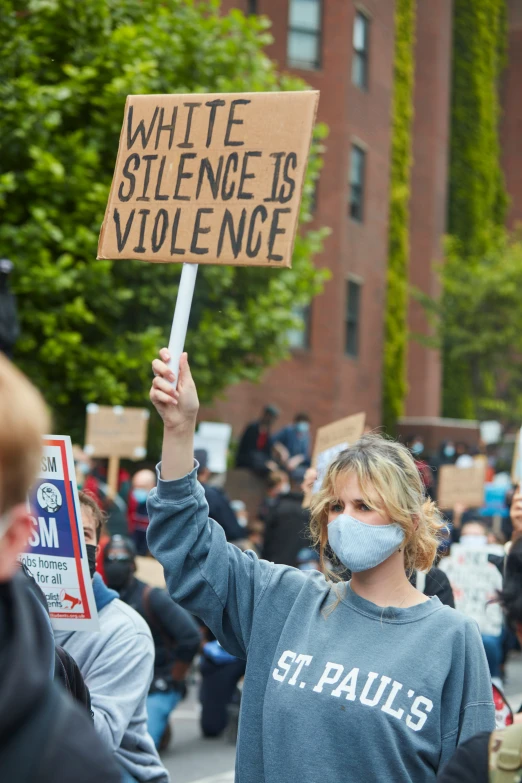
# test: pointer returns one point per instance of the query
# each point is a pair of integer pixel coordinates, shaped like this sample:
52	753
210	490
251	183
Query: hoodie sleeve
118	680
212	579
472	702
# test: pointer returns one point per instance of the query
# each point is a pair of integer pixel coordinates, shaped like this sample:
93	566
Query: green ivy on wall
477	197
396	328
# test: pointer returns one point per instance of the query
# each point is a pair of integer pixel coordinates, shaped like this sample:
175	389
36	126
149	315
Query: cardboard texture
461	485
150	571
116	432
330	441
209	179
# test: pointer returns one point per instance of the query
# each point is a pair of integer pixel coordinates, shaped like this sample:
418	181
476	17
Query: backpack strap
505	755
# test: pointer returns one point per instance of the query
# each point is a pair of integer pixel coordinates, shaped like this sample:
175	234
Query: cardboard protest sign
333	439
116	431
461	485
475	583
214	438
57	557
209	179
148	570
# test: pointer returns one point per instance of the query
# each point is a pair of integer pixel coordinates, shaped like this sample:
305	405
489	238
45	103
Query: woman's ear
415	522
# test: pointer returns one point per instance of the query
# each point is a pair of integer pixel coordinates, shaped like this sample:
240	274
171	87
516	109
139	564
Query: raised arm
204	574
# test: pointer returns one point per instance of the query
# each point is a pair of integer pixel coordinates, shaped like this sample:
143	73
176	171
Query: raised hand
177	407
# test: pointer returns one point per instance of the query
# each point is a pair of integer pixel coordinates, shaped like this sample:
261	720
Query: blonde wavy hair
390	484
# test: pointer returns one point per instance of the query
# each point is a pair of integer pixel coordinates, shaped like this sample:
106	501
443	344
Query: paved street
192	759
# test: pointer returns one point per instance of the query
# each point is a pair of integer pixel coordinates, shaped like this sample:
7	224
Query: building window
304	34
251	7
353	306
299	337
361	31
357	174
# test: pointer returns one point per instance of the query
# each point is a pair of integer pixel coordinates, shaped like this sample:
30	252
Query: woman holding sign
359	681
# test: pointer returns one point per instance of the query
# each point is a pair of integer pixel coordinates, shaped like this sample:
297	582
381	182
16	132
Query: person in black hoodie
174	631
44	736
286	529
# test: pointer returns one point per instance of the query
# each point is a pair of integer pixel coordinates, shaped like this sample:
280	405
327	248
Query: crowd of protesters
291	611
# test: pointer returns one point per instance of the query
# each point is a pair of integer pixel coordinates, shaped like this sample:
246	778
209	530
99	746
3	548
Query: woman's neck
387	585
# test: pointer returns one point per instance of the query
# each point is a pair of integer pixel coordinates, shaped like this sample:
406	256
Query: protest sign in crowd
369	625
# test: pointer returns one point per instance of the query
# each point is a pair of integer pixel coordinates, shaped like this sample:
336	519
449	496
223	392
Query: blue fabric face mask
140	495
359	546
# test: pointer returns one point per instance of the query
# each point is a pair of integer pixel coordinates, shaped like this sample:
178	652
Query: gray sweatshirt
117	665
361	694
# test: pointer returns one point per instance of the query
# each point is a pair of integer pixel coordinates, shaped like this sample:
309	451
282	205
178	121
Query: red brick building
346	49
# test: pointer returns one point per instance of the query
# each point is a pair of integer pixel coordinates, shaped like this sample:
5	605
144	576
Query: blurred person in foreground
44	736
255	444
495	757
117	665
142	483
174	631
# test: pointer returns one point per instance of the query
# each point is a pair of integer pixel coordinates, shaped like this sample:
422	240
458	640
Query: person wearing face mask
292	447
174	631
117	666
362	680
142	483
416	446
277	484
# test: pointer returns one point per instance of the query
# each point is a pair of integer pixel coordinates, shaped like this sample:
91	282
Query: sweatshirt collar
389	614
102	594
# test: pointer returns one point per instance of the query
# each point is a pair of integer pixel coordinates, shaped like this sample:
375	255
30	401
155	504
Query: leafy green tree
477	197
396	318
480	318
91	328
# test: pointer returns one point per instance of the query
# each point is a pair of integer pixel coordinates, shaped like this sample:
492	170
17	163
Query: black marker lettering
227	195
185	143
290	159
135	158
140	130
144	215
245	175
252	252
156	243
149	159
274	232
157	195
182	175
176	251
122	241
277	170
232	121
200	251
236	240
213	179
212	118
171	127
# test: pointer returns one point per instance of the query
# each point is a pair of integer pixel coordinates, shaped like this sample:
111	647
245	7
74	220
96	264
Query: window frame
352	321
356	145
318	35
362	54
306	332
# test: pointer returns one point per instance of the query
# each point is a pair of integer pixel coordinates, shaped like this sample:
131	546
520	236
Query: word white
347	687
